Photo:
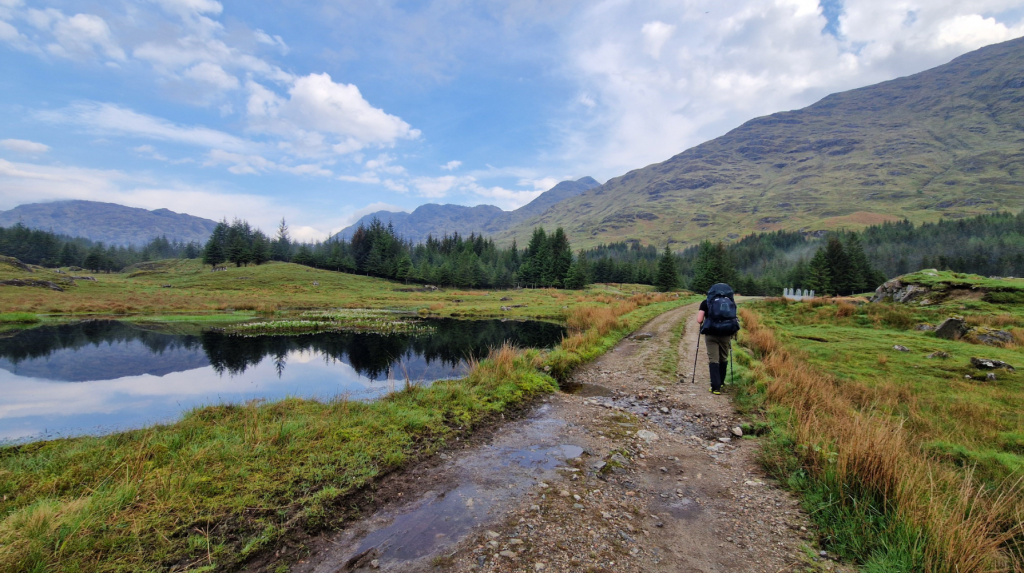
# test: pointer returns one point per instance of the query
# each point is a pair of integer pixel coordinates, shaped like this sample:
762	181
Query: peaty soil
637	471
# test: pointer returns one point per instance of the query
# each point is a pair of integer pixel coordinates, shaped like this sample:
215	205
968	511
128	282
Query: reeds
867	456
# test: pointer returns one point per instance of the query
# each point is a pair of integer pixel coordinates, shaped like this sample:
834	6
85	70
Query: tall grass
881	499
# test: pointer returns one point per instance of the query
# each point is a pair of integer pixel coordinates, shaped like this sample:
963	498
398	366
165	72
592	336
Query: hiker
718	324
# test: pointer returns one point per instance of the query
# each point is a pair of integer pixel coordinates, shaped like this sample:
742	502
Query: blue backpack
721	317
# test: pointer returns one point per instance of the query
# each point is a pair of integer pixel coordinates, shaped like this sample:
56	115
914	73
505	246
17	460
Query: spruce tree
839	267
819	276
668	275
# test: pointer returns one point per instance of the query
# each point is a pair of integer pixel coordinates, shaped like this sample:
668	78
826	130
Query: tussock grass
878	496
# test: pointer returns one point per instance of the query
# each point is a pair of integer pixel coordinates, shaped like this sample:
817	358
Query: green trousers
718	348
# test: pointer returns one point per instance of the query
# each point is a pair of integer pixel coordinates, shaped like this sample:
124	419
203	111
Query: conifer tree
819	276
668	275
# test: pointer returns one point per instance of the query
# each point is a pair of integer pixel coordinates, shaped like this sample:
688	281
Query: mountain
436	220
108	222
944	143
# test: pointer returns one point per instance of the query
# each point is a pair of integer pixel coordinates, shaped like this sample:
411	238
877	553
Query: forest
46	249
840	262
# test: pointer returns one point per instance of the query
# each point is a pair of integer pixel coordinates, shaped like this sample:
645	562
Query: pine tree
668	275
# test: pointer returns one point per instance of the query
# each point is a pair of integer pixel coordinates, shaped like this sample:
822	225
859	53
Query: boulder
952	328
896	291
990	364
989	336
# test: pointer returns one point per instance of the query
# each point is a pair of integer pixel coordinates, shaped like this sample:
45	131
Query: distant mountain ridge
108	222
944	143
437	220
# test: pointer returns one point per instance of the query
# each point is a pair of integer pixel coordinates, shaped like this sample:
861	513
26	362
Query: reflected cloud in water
102	376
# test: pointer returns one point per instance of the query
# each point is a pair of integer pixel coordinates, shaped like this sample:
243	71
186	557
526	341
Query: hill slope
436	220
947	142
108	222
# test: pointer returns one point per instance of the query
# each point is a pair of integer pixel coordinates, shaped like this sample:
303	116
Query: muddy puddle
474	489
588	390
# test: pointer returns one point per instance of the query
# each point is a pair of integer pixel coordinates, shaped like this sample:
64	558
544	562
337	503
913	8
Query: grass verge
228	482
851	442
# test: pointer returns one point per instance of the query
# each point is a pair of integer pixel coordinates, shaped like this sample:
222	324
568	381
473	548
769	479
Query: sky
321	112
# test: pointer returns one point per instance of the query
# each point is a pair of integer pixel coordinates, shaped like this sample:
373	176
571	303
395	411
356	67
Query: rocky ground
637	471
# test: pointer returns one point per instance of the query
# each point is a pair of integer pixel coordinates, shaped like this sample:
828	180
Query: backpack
721	316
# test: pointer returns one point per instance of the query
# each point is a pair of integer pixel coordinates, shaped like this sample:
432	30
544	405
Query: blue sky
323	111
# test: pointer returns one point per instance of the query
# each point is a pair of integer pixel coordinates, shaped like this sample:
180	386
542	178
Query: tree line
759	264
375	249
47	249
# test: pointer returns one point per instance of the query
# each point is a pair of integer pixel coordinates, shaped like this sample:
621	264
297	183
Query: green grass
933	397
970	426
274	290
19	318
230	482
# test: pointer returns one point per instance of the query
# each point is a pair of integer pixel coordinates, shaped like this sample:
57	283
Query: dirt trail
635	472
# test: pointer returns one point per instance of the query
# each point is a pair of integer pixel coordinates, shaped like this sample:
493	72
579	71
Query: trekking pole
693	379
732	369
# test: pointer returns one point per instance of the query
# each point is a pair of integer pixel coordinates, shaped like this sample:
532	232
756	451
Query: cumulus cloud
316	103
24	146
452	165
111	119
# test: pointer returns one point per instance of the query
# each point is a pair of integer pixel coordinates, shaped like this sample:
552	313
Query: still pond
102	376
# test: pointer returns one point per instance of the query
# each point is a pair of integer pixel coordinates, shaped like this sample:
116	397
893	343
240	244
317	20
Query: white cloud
383	163
214	75
507	199
24	146
78	37
452	165
276	41
972	31
542	184
369	178
150	151
107	118
318	104
655	35
395	186
242	164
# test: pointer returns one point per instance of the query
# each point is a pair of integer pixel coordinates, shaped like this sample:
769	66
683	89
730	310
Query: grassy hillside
943	143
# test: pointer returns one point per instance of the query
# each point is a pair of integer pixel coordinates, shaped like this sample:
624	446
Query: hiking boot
716	377
723	367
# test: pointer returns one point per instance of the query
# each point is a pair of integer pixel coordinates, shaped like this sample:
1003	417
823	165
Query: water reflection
130	377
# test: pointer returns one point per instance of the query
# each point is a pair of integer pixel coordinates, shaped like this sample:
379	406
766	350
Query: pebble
491	534
538	566
508	554
647	435
737	431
